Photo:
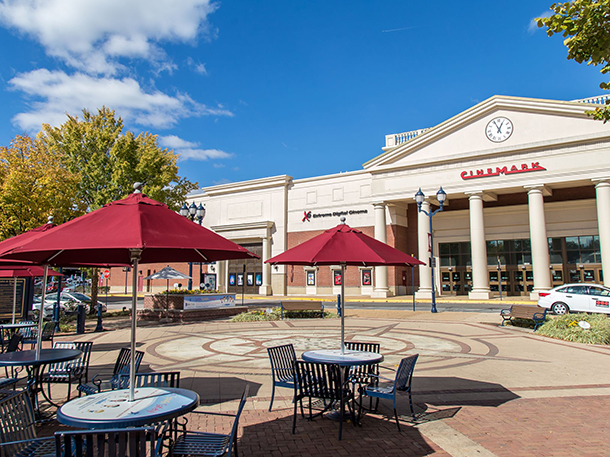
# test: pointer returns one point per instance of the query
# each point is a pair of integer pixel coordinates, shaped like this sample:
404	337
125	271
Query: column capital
542	188
601	181
483	194
379	204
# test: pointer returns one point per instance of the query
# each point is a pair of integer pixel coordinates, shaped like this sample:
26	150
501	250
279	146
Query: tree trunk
95	279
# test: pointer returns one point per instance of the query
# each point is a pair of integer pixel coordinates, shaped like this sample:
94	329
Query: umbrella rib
53	256
199	252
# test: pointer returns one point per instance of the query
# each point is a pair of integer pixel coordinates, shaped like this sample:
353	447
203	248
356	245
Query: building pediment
498	126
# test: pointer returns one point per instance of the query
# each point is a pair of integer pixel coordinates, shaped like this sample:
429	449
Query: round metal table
35	367
112	409
346	359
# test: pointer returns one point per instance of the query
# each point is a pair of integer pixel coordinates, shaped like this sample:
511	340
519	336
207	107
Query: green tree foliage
585	25
34	184
109	160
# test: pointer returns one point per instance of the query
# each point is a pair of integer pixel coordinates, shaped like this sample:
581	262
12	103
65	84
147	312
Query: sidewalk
480	389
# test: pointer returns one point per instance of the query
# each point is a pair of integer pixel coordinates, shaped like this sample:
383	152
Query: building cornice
243	186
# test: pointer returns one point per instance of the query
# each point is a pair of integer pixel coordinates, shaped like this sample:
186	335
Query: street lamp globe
184	211
419	197
200	213
192	210
441	196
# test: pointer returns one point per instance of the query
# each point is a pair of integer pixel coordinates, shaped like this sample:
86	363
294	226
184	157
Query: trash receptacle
80	319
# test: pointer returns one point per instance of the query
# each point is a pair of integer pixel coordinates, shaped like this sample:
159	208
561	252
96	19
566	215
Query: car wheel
560	308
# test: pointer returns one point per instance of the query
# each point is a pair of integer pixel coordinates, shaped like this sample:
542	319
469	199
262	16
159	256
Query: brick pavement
509	392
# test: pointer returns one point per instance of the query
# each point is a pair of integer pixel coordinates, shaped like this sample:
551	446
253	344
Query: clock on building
499	129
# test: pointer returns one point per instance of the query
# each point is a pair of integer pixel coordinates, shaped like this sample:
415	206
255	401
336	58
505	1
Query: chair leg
396	417
294	416
341	411
411	405
272	395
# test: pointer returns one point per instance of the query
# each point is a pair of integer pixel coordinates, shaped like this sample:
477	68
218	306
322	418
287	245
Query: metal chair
282	360
363	374
72	371
158	379
401	383
121	366
17	431
323	382
125	442
48	333
211	444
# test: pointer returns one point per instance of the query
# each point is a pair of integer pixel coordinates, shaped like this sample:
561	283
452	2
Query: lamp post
193	211
441	196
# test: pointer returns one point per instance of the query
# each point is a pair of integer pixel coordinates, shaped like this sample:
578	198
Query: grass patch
274	314
566	328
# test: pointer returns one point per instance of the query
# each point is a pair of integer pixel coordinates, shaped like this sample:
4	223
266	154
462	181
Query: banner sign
208	301
489	172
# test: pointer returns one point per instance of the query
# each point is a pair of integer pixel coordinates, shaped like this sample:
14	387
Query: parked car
78	298
588	298
49	305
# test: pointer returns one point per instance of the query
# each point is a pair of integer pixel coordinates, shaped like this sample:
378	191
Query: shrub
189	292
566	328
274	314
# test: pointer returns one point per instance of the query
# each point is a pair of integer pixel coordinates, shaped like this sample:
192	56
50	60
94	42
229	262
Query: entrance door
245	275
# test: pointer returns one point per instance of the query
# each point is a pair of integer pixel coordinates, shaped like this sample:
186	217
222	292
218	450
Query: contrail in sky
397	30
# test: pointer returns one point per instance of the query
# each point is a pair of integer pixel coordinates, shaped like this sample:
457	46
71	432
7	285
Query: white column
381	289
423	242
265	289
602	192
478	247
541	261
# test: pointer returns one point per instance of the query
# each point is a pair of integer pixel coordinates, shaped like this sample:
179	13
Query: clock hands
499	127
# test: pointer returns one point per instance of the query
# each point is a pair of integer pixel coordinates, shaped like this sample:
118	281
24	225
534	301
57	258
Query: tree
34	184
109	161
585	25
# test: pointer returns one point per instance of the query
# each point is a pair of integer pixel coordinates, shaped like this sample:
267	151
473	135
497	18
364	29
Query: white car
79	298
587	298
49	305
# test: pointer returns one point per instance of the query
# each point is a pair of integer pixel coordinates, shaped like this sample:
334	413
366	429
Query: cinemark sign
490	172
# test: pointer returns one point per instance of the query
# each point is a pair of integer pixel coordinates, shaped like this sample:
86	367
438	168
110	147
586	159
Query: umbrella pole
41	313
14	297
135	256
342	308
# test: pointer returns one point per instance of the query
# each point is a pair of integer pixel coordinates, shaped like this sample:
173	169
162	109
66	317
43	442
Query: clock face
499	129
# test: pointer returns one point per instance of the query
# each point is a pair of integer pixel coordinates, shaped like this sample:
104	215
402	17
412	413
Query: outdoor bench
304	305
533	313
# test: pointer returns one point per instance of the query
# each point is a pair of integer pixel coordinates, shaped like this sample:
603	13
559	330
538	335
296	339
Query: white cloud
198	67
55	93
190	151
93	35
533	25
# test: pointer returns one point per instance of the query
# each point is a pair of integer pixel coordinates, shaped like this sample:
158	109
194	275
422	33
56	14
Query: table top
347	358
17	325
23	358
112	409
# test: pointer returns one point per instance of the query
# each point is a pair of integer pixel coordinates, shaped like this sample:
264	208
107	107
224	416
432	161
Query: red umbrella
134	230
23	272
344	245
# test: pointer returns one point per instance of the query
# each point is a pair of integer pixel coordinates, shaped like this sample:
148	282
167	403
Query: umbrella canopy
109	236
168	273
343	245
18	240
134	230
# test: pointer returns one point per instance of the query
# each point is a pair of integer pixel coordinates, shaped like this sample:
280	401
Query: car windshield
78	296
599	291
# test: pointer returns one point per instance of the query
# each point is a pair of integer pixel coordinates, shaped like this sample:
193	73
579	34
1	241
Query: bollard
80	319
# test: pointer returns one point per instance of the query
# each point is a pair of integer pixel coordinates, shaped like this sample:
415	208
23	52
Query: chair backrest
17	421
82	363
123	442
159	379
404	374
27	332
48	331
14	342
123	361
360	346
235	427
317	380
282	360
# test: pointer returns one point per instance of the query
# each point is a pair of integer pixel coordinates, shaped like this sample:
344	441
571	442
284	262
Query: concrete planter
189	307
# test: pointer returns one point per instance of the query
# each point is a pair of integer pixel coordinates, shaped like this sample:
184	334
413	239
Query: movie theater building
527	208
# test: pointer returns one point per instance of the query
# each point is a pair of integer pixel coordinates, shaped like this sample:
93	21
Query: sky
244	89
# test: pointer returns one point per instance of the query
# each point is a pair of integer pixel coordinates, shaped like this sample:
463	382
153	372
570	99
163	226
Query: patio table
345	359
112	409
35	367
7	330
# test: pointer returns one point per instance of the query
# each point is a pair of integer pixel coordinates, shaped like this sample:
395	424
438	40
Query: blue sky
250	89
